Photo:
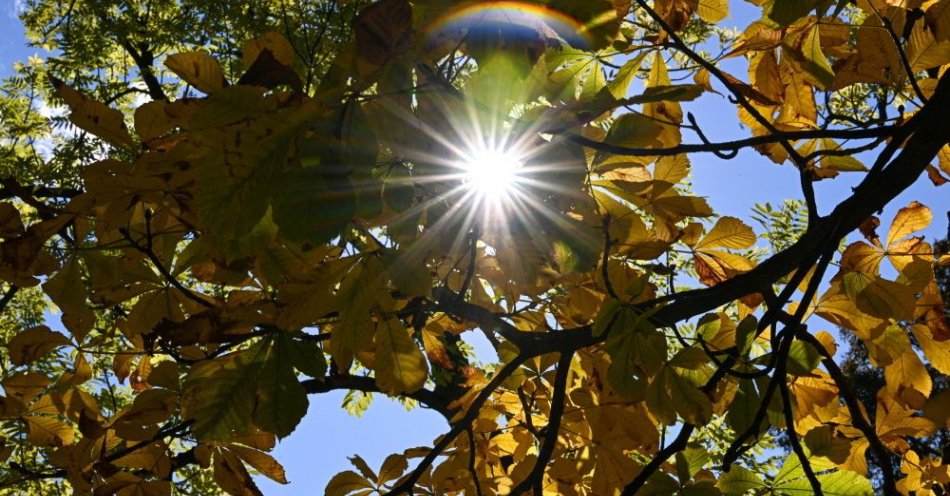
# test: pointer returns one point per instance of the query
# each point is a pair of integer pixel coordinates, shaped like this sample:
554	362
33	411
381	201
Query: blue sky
320	445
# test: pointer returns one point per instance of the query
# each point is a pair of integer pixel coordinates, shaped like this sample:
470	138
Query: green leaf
625	75
786	12
816	64
240	174
666	93
792	482
744	406
255	387
359	292
220	394
690	461
633	130
281	400
738	481
802	358
308	358
745	334
312	205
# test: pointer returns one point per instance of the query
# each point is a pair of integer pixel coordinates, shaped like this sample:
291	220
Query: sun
491	175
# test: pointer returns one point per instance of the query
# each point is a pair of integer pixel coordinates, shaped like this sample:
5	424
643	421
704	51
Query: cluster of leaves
282	216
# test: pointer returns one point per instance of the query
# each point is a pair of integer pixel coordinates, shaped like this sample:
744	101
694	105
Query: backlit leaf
400	365
197	69
879	297
729	232
94	117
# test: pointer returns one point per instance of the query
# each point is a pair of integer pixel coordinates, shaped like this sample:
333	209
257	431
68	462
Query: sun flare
492	174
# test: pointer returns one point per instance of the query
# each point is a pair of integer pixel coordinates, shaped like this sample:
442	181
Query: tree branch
465	422
535	479
730	146
425	397
857	413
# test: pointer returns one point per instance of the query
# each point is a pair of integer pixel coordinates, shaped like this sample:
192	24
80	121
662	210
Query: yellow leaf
47	431
879	297
715	266
936	352
862	257
392	468
907	379
231	475
30	345
836	307
24	387
197	69
729	232
400	366
923	51
262	462
913	258
151	120
279	47
345	483
894	421
888	346
711	11
672	169
938	16
153	458
908	220
94	117
150	408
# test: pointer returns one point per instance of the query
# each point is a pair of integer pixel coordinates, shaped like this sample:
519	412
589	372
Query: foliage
246	204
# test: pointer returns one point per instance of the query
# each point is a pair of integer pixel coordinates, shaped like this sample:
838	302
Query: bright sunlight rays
491	174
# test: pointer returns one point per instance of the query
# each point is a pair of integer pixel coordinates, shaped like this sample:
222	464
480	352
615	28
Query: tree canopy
232	207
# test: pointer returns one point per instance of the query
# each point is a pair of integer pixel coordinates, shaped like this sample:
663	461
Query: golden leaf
729	232
197	69
94	117
400	365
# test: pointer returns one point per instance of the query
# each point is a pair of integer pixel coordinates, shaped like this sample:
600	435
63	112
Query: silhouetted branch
535	479
410	481
425	397
728	146
858	420
796	443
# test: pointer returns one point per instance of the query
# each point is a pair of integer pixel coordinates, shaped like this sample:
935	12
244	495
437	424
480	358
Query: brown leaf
868	228
383	30
30	345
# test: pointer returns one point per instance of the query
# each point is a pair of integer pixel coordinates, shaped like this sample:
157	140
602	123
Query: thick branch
929	135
